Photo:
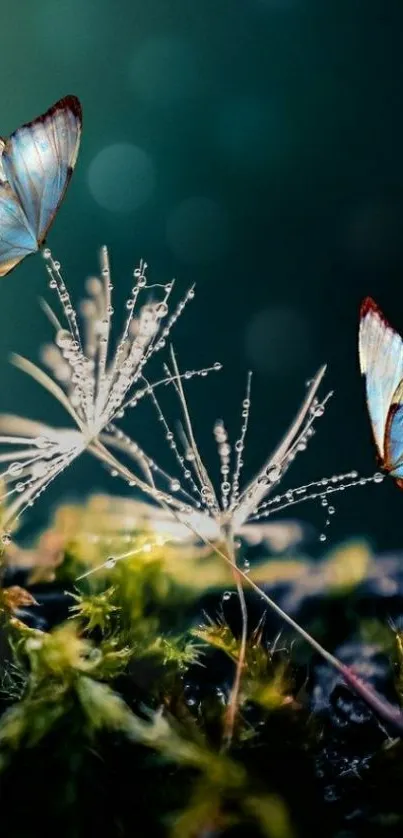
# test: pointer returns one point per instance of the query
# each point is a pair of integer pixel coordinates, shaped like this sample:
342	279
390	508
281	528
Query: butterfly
381	362
36	164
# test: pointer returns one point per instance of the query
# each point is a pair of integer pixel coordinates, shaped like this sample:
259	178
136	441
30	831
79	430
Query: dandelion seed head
229	509
234	511
94	378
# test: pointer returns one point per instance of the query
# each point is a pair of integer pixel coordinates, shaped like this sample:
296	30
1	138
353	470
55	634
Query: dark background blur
252	146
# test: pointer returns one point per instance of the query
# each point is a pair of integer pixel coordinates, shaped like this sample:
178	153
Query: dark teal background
287	115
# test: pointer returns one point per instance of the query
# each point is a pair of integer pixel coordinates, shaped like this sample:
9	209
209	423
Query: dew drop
378	477
273	474
15	469
110	562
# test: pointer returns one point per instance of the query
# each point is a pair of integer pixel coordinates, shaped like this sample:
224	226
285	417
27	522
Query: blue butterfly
381	361
36	164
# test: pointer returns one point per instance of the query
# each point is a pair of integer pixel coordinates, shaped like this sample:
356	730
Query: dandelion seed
94	383
213	513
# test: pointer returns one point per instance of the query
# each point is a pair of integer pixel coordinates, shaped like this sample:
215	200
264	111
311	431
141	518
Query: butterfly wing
394	437
16	238
381	362
38	161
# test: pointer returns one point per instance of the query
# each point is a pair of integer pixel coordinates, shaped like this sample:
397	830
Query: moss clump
114	691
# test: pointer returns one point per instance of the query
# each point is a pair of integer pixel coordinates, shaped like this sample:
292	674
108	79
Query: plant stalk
382	708
233	703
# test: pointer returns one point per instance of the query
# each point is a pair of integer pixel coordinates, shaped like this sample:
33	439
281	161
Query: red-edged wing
381	362
37	163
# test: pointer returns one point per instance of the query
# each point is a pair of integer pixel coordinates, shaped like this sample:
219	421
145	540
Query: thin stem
379	705
232	707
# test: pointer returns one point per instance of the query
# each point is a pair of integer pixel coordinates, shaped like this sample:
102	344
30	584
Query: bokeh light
121	177
198	231
165	69
278	340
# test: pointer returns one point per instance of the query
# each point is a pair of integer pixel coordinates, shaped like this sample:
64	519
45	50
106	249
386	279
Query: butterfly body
36	164
381	361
